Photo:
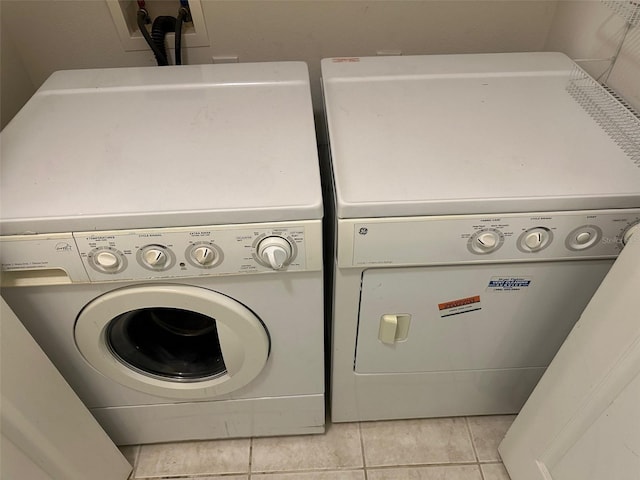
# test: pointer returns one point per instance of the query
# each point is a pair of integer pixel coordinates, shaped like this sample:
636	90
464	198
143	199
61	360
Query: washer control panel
181	252
485	238
164	252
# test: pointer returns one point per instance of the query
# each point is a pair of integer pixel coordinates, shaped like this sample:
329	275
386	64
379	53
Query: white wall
42	36
591	30
51	35
15	83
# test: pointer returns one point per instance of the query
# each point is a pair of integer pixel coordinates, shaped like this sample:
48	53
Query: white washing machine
162	242
479	202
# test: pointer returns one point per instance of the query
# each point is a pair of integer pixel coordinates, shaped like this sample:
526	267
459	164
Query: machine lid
154	147
465	134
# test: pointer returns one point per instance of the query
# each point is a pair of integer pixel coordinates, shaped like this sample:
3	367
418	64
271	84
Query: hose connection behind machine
162	25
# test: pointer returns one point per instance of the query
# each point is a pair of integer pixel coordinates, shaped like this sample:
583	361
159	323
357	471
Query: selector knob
107	260
485	241
155	257
203	255
535	239
275	252
632	230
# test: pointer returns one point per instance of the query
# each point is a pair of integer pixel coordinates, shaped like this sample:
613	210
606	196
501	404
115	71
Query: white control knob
485	241
155	257
535	239
488	240
633	229
275	252
107	260
203	255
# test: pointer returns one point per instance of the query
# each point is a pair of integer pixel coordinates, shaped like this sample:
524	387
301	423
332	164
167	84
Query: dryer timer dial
485	241
633	229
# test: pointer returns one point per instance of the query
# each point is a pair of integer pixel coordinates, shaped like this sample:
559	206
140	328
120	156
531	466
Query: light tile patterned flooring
463	448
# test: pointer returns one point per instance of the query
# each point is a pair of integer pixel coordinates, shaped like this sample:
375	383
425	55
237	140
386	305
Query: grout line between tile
420	465
364	459
313	470
473	443
136	459
250	459
481	472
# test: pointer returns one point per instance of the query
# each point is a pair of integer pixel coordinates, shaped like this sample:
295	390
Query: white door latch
394	328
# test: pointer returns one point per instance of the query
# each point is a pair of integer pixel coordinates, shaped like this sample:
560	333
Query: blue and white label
509	284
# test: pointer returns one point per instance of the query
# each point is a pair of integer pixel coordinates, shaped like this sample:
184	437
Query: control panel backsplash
485	238
169	252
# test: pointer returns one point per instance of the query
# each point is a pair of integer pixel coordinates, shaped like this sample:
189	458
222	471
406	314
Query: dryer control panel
162	253
485	238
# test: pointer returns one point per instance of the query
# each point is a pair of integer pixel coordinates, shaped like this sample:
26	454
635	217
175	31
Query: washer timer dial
156	257
275	252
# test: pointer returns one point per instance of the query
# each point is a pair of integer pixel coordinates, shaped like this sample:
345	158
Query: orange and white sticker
457	307
346	60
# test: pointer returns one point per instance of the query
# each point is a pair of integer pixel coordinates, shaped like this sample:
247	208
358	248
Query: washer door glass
168	342
173	341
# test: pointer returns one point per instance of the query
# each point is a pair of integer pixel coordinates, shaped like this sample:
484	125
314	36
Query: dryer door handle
394	328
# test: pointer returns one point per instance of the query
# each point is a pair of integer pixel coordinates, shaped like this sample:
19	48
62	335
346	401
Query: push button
583	237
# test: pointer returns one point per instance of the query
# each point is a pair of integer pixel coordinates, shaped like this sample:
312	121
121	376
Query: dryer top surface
170	146
465	134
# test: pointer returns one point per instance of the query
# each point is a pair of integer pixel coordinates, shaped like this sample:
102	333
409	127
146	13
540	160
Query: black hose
161	26
183	16
161	57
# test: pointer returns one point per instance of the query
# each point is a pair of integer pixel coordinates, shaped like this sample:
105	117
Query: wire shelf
619	120
627	9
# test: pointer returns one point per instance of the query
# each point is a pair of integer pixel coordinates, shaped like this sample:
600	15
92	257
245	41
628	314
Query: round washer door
173	341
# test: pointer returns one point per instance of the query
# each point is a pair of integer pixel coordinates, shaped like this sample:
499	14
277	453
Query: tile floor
463	448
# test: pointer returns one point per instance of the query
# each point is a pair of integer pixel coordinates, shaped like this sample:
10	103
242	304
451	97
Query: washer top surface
155	147
464	134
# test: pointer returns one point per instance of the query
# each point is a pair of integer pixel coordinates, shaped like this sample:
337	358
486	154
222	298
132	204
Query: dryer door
174	341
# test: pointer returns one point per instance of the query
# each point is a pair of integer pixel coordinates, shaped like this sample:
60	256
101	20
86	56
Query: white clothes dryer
162	242
479	202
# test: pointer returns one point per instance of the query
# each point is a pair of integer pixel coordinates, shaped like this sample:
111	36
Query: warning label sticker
457	307
508	284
